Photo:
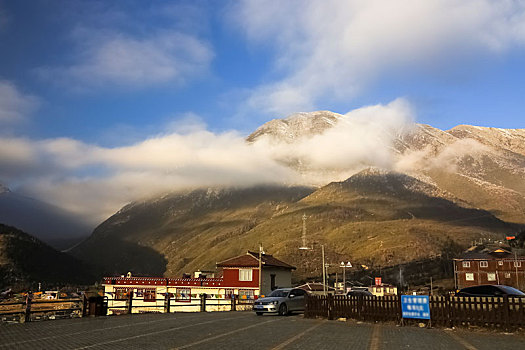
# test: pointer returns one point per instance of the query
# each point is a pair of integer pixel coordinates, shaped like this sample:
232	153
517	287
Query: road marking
375	337
297	336
223	335
87	331
462	341
157	332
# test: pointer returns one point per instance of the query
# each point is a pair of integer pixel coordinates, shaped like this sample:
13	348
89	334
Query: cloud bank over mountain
332	50
95	181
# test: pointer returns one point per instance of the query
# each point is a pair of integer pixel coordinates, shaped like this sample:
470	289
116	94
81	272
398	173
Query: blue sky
113	74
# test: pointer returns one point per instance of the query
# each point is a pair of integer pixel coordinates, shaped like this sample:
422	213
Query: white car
282	301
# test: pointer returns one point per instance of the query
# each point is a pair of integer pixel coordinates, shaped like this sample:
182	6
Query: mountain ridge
438	187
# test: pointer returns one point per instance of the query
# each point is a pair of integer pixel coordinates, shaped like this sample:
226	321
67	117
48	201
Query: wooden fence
499	312
42	309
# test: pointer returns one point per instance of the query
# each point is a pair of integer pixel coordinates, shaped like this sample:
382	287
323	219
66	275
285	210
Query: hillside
178	232
25	261
375	217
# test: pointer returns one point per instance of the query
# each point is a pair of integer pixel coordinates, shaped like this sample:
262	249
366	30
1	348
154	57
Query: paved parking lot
239	330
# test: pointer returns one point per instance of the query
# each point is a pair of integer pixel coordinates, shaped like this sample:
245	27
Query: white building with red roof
240	280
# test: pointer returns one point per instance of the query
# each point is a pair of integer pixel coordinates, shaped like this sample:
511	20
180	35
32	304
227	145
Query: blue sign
415	306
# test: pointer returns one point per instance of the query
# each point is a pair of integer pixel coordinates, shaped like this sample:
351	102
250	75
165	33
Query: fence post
306	305
234	303
27	312
130	302
506	309
167	303
448	311
84	305
330	305
203	302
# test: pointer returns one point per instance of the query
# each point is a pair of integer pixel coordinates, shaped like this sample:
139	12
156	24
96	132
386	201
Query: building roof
487	253
315	287
251	259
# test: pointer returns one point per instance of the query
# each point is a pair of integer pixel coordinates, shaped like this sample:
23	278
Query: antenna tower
303	236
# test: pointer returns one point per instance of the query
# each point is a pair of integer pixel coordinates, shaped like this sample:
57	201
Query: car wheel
259	313
283	310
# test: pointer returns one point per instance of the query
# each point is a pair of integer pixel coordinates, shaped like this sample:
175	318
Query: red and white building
240	278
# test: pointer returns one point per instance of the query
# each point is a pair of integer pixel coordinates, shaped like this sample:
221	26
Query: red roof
251	259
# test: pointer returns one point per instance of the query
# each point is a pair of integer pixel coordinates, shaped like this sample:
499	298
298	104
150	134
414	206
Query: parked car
490	290
282	301
359	292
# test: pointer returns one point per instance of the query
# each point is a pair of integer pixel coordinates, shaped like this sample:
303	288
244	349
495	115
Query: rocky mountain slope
438	189
25	261
42	220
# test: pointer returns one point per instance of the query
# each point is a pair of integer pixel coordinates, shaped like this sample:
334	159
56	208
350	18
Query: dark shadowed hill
25	261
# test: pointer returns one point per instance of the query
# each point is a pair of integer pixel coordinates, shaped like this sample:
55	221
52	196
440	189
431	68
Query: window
469	276
466	263
483	264
491	276
245	274
150	295
298	292
121	294
500	262
507	274
517	263
183	294
228	293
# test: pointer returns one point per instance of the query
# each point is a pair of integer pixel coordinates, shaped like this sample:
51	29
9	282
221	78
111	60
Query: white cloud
15	106
117	59
96	181
333	49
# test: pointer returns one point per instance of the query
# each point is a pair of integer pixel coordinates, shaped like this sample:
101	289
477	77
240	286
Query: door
296	298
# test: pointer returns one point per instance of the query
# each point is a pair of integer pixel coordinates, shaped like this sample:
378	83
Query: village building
239	279
383	289
244	269
484	265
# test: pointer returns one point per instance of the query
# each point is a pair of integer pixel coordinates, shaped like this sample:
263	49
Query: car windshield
279	293
511	290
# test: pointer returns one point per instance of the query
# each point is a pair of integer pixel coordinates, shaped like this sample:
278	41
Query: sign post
415	306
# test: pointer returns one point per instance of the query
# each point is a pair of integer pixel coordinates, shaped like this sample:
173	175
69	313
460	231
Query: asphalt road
239	330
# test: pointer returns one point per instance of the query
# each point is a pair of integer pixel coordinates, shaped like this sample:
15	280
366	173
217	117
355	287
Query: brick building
482	265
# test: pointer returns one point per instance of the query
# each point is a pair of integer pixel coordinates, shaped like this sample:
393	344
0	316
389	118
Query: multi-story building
498	265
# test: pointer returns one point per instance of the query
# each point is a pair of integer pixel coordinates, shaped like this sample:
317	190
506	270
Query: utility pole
516	266
344	277
260	268
344	266
324	274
